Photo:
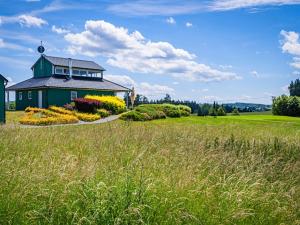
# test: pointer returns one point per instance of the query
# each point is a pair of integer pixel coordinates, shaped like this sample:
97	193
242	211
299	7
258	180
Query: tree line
205	109
288	105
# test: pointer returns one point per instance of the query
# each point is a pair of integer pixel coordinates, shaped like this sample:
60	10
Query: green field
194	170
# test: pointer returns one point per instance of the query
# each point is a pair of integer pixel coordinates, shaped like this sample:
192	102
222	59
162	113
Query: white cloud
179	7
296	63
7	45
10	81
144	88
24	20
31	21
255	73
133	52
291	45
175	82
188	24
285	88
226	67
225	5
121	79
296	73
171	20
290	42
59	30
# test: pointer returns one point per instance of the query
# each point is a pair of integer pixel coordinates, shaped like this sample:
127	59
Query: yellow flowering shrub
87	117
46	117
111	103
33	109
61	110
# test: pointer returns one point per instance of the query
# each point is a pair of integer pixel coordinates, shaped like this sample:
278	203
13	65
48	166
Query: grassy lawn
194	170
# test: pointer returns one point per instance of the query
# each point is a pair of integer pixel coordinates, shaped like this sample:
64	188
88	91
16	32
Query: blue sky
223	50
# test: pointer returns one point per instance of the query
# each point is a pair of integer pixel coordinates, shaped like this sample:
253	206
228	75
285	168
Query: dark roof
3	78
85	64
64	82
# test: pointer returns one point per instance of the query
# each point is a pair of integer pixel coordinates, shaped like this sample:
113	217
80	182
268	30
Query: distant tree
294	88
235	112
212	111
200	112
286	105
205	109
167	98
221	111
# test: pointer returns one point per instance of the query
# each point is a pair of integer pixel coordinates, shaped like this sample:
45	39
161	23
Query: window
59	70
20	96
75	72
83	72
29	95
66	71
73	95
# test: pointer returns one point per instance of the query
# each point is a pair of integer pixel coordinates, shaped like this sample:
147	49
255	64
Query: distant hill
247	107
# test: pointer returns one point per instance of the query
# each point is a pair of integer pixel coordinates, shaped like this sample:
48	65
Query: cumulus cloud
254	73
170	20
144	88
24	20
59	30
291	45
121	79
133	52
188	24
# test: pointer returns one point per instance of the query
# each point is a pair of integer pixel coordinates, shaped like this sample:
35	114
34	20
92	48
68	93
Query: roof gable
2	77
76	63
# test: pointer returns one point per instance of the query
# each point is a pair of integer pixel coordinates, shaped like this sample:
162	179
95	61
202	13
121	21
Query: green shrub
173	112
185	108
221	111
103	113
152	112
286	105
135	116
235	112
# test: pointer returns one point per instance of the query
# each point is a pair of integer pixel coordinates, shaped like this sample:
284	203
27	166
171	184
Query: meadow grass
192	170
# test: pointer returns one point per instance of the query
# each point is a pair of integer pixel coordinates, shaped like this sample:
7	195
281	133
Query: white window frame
61	68
20	96
29	95
72	95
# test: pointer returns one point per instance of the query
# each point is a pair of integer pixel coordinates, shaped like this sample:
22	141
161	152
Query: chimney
70	67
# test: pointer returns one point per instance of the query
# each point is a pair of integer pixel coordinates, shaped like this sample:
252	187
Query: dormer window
82	72
66	71
59	70
75	72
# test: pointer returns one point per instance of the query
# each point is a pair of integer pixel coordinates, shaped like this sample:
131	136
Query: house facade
58	81
3	82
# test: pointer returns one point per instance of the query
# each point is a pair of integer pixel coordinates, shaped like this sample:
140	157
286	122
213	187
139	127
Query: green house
3	82
58	81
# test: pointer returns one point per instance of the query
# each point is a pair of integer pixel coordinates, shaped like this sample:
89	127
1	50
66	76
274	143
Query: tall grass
149	173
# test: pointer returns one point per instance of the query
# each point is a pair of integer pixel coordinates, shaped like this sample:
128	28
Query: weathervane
41	48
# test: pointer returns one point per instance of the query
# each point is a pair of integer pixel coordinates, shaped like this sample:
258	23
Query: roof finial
41	48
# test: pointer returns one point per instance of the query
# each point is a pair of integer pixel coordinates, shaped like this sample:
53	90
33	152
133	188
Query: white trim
29	95
40	99
73	95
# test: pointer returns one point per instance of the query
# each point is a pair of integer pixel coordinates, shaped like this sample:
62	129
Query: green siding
60	97
2	101
42	68
25	102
